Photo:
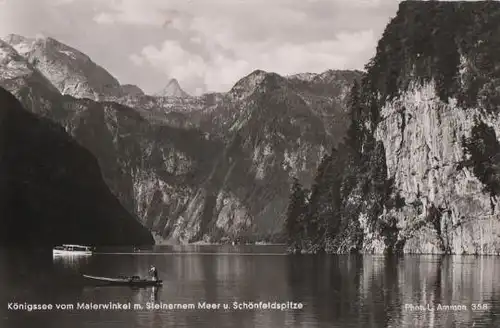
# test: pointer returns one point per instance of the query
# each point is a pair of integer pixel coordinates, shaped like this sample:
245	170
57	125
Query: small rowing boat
134	281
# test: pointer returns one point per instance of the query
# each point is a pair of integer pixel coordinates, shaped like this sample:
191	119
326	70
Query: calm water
336	291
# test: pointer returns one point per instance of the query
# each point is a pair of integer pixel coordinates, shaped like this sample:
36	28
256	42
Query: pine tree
295	211
354	136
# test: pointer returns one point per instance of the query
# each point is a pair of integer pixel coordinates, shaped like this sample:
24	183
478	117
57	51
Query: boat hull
105	281
70	253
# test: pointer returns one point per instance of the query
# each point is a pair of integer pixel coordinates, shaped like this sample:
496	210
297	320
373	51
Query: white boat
72	250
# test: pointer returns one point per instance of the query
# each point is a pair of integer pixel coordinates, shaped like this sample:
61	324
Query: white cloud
136	59
207	45
137	12
220	71
104	18
61	2
196	39
231	51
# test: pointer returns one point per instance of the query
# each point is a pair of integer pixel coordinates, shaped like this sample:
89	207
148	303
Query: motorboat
67	249
133	281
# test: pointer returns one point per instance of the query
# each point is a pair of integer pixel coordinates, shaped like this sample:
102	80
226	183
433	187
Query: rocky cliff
51	188
210	167
422	154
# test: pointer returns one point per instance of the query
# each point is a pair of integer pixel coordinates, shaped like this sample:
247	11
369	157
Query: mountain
132	90
271	133
69	70
172	89
223	114
51	188
419	170
211	167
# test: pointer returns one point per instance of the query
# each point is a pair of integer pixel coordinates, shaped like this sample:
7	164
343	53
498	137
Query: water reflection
72	262
375	291
154	294
462	281
337	291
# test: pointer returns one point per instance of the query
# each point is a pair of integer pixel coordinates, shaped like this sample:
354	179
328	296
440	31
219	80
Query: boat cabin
74	248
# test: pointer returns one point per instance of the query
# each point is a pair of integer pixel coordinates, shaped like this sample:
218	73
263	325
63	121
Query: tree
295	212
354	136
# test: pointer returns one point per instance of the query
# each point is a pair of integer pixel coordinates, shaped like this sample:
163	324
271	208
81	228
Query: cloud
60	2
146	12
136	59
104	18
212	50
219	71
213	44
207	45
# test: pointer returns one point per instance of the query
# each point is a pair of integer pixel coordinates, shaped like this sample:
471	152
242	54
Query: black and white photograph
249	164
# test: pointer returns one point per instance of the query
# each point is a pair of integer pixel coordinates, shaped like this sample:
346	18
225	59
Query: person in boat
153	272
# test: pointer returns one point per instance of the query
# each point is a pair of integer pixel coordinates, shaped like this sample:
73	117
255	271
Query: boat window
74	248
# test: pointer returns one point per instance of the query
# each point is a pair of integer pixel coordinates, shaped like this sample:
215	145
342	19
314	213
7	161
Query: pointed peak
173	82
172	89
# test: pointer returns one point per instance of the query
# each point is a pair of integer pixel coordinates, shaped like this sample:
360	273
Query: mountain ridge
214	166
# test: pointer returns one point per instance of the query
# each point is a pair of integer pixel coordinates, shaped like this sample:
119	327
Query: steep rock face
440	133
70	71
424	141
52	189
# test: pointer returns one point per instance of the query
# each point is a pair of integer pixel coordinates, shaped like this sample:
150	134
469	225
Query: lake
334	291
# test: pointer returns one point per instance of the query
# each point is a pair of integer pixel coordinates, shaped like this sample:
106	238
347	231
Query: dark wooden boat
134	281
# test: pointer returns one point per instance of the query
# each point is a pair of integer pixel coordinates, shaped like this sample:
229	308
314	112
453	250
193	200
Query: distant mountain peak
174	84
172	89
68	69
250	83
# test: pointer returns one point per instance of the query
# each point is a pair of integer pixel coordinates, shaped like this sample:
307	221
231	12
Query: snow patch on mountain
307	77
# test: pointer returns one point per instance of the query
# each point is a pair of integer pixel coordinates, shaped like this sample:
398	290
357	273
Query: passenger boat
72	250
134	281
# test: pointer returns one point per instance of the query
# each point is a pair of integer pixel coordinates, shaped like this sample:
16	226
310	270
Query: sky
207	45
